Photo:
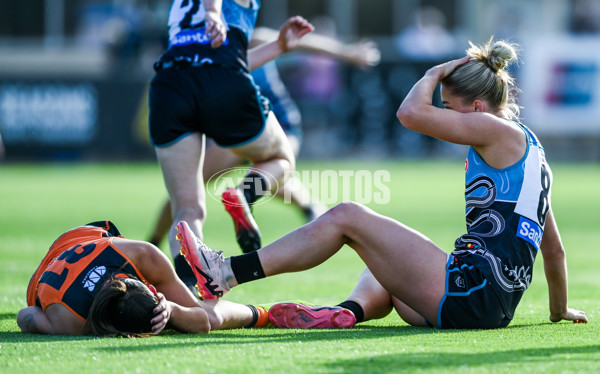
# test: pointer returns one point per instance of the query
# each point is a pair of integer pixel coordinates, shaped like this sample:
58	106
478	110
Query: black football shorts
221	102
469	301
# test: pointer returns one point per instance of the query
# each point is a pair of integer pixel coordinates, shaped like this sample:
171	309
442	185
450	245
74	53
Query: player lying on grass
94	281
508	218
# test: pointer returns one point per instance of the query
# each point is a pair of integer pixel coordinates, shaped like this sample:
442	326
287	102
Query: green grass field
40	202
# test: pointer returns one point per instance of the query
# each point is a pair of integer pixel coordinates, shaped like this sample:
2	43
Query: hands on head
443	70
163	314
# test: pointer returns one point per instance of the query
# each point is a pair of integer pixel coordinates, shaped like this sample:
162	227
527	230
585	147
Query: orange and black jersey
76	266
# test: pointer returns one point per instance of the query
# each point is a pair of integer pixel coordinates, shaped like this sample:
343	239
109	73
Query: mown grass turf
38	203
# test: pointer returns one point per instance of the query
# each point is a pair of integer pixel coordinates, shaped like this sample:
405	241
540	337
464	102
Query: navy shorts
223	103
469	301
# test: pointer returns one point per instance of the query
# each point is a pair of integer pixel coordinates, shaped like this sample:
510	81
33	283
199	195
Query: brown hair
122	307
485	77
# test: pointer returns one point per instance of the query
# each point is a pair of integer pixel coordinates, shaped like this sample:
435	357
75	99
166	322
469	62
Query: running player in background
363	54
94	281
508	217
202	89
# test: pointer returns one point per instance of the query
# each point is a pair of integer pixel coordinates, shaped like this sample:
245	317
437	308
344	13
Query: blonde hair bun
495	54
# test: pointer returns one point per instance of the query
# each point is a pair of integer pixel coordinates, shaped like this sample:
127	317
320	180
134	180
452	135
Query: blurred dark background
74	73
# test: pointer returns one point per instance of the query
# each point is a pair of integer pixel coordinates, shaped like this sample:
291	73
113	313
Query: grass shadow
275	335
173	339
489	361
19	337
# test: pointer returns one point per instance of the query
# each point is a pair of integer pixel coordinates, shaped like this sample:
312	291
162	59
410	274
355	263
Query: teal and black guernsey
187	38
505	214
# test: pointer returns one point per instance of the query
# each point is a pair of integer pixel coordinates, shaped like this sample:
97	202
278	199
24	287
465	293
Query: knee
285	156
346	215
284	152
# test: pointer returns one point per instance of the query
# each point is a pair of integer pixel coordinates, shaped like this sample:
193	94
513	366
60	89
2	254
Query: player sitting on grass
94	281
508	217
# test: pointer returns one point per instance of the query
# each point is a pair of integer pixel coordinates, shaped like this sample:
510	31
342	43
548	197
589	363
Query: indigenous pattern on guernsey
505	214
187	33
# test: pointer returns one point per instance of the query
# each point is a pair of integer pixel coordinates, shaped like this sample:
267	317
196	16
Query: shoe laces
216	256
213	255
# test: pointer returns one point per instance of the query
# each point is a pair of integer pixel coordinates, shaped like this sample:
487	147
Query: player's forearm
258	56
556	276
212	5
417	103
191	320
555	267
323	44
361	54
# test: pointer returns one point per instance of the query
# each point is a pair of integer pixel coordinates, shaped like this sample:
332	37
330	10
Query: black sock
184	271
254	316
355	308
254	186
247	267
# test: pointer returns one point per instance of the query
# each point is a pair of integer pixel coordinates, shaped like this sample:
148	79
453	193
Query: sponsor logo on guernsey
196	36
460	282
93	276
530	231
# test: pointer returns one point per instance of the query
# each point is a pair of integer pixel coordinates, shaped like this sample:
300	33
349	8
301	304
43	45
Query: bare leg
183	161
295	193
405	262
224	314
162	225
375	301
273	162
270	154
292	190
218	159
181	164
408	314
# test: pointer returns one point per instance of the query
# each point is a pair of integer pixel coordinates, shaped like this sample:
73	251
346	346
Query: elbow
20	315
559	255
204	322
554	260
199	327
203	328
407	116
552	252
23	316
